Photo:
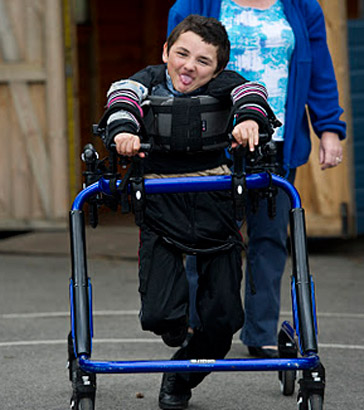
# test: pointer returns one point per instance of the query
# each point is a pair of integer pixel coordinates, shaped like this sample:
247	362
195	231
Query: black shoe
174	393
263	352
176	335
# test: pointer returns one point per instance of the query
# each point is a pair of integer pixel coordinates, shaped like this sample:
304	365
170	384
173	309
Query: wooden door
33	138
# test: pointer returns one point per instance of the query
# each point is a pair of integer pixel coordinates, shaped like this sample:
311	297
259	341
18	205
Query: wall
356	47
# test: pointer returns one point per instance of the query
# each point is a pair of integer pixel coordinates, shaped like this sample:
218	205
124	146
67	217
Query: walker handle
145	147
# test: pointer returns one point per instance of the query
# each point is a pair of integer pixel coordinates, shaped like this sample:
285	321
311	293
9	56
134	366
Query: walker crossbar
194	184
171	366
304	314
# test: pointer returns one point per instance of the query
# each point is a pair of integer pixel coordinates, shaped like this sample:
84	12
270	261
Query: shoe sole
182	406
169	407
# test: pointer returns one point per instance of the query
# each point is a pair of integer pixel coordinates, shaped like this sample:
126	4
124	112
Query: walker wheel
83	383
314	402
86	403
287	381
287	349
312	389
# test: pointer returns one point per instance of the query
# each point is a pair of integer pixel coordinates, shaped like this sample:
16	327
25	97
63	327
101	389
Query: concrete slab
34	322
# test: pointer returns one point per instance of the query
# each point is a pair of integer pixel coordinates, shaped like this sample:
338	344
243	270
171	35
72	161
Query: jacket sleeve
248	99
250	103
124	112
124	99
323	101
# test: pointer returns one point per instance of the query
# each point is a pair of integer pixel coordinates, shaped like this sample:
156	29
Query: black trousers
163	285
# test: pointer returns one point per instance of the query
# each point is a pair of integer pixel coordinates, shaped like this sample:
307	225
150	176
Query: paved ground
34	321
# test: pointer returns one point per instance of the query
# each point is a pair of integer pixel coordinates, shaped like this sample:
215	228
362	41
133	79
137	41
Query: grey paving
34	322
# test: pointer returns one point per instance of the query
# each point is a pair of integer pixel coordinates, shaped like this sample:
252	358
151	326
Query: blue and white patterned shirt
262	42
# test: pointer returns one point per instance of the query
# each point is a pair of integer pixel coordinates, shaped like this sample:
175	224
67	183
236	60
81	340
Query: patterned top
262	42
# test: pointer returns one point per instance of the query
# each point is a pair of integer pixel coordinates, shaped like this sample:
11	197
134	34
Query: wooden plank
8	44
37	95
34	31
18	194
72	98
17	15
322	226
28	72
22	184
56	107
5	185
33	142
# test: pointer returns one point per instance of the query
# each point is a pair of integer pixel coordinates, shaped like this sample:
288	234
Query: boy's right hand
128	145
246	133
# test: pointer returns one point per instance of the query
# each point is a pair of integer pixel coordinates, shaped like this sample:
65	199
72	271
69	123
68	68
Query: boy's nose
189	65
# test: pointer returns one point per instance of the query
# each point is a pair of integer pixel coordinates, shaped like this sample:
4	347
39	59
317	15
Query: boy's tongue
185	79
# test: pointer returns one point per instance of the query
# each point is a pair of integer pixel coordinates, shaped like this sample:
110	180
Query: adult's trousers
266	259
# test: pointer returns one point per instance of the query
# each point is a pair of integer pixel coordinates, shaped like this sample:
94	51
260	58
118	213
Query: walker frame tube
302	289
79	294
183	366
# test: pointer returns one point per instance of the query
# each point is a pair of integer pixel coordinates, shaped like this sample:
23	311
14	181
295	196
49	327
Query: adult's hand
331	150
128	145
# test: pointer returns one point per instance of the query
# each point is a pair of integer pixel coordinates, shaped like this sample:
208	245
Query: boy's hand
128	145
246	133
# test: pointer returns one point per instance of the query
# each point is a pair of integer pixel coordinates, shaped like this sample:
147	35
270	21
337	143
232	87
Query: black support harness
187	124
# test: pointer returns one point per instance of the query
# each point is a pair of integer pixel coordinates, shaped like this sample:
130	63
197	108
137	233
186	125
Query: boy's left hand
246	133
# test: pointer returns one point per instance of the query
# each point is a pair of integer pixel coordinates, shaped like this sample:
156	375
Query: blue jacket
311	79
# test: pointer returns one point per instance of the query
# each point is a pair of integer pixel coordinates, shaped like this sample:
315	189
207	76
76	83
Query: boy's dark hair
210	30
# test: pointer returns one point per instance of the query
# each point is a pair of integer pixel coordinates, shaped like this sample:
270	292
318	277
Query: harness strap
189	250
208	143
186	125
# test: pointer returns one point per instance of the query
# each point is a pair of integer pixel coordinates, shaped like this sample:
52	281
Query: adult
282	44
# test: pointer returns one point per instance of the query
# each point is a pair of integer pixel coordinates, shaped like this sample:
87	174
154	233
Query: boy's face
191	62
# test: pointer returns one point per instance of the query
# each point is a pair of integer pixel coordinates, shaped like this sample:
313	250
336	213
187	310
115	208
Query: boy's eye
182	53
203	62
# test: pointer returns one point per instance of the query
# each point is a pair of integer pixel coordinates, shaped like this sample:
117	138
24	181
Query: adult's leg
267	254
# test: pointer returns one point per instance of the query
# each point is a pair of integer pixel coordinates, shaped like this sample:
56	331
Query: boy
189	140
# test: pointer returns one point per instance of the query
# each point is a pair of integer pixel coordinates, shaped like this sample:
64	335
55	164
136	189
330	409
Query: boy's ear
165	53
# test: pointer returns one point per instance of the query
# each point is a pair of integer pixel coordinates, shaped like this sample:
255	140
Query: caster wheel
85	403
314	402
287	349
287	381
83	383
312	389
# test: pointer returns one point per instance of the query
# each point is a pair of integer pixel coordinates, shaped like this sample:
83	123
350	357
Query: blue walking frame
302	289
